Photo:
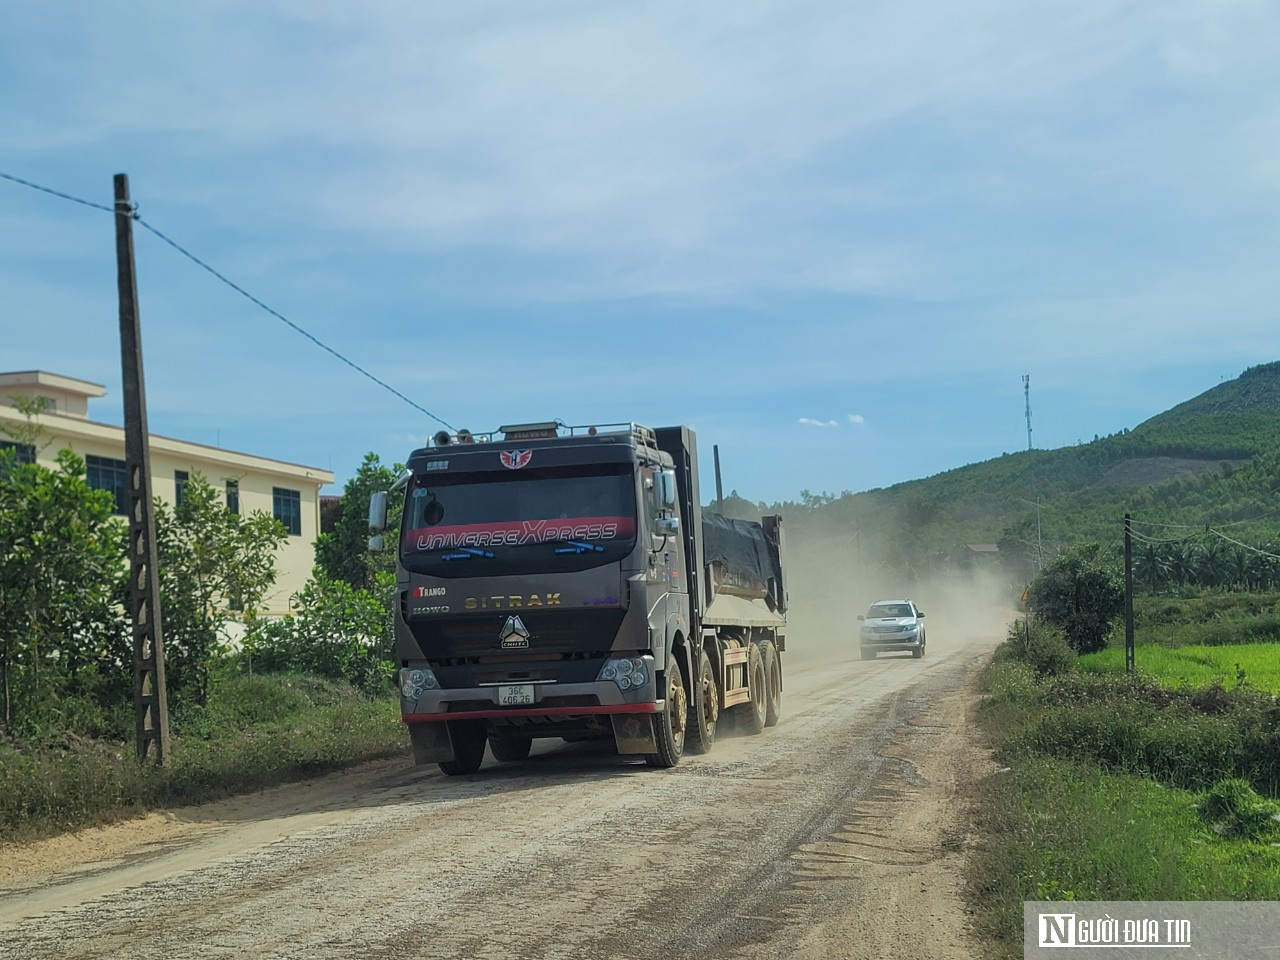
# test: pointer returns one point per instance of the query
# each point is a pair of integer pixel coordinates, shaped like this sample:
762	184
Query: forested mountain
1210	461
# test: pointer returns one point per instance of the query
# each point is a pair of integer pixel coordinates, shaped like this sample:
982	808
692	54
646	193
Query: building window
107	474
180	478
233	497
286	506
22	452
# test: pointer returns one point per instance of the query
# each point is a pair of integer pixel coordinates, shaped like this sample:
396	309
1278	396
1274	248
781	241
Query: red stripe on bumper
498	712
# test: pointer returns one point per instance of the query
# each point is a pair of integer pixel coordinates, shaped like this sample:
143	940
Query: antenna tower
1026	389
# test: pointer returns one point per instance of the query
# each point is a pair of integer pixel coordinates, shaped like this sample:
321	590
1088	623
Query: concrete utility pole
151	708
1026	389
1129	665
715	453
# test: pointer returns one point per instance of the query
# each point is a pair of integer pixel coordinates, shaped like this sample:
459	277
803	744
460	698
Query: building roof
54	381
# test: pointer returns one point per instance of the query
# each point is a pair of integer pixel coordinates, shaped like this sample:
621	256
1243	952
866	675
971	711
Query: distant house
982	549
288	491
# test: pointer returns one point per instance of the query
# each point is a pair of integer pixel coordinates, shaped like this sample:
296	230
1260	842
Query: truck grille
559	632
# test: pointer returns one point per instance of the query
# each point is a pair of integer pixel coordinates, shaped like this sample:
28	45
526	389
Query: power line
281	317
55	193
234	286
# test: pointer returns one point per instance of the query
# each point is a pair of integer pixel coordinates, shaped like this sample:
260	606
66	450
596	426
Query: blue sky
831	236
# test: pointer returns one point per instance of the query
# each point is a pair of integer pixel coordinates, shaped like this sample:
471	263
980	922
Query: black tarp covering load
741	558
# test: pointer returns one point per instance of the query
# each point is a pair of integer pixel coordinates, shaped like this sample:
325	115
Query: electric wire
133	213
55	193
281	317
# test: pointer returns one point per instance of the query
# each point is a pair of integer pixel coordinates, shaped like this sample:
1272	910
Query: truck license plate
520	695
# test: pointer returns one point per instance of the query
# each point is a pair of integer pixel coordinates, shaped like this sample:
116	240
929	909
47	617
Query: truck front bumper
610	693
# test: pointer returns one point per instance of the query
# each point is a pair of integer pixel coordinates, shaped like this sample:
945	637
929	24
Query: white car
892	625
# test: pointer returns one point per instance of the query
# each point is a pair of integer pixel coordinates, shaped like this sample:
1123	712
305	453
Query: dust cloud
831	581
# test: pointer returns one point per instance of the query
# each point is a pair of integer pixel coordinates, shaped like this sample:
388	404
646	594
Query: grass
256	732
1155	787
1208	619
1061	830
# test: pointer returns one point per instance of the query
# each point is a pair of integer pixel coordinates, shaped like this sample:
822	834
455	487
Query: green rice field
1255	665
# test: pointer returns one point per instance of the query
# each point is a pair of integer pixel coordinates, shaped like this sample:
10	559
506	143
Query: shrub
1042	647
337	631
1082	593
1232	808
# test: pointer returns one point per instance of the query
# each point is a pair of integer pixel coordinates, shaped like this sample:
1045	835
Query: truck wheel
670	723
468	747
773	671
704	709
509	749
758	687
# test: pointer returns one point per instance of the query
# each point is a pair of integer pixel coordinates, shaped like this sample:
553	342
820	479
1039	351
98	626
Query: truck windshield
557	520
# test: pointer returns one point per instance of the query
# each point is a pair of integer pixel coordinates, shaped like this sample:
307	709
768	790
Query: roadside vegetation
1161	785
253	701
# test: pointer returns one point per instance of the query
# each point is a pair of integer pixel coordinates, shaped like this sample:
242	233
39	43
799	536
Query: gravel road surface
840	833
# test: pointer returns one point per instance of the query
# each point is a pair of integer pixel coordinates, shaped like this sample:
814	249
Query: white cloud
810	422
856	419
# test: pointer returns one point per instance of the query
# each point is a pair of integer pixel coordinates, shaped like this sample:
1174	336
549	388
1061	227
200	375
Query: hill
1209	460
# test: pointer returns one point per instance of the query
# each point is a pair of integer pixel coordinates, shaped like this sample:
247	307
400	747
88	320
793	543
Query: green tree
1150	566
343	552
61	565
336	630
1082	593
213	565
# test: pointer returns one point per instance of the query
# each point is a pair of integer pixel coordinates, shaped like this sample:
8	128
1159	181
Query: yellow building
288	491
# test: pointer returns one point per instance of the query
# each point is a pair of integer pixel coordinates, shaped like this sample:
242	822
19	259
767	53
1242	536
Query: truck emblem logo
515	459
513	634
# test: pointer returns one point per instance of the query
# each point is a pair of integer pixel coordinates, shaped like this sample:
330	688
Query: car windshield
882	610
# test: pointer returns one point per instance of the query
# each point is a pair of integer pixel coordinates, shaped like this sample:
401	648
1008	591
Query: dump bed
739	561
743	571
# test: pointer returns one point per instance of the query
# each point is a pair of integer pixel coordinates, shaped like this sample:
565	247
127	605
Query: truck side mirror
667	488
378	512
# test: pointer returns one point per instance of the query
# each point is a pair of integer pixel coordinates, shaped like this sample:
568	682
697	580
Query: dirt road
836	834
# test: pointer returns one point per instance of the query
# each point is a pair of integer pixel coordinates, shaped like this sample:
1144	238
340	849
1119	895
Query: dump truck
558	581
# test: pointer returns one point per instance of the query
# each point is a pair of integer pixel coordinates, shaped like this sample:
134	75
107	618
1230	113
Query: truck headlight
416	681
626	672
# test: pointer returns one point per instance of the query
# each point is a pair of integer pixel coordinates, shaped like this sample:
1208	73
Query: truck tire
670	724
509	749
704	708
468	747
773	671
758	687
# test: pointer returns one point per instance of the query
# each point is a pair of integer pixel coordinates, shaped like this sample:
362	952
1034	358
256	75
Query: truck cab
548	586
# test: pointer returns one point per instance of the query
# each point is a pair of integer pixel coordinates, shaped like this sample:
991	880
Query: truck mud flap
431	743
633	733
